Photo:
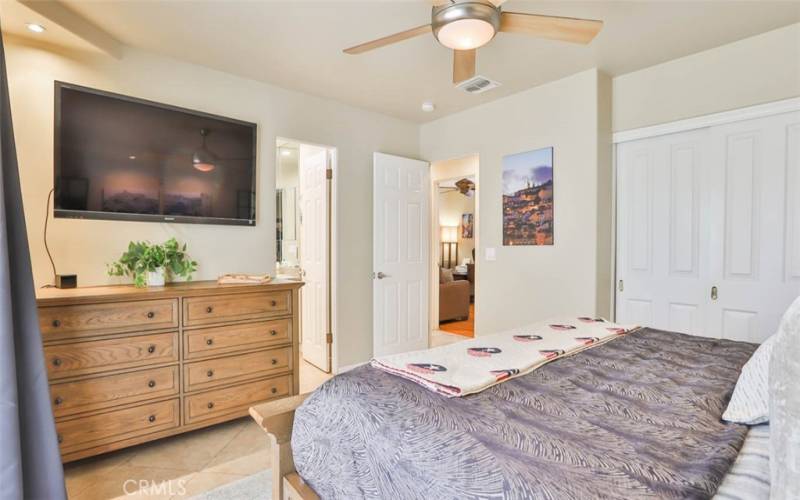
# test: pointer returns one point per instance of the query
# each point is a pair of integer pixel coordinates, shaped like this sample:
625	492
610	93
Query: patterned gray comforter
638	417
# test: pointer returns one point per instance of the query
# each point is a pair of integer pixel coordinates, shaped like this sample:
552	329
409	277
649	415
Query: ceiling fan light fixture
465	25
465	34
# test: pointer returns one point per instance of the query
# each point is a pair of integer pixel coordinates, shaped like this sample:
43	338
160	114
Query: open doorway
454	233
305	236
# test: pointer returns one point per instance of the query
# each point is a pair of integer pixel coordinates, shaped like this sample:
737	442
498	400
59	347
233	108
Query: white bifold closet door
708	228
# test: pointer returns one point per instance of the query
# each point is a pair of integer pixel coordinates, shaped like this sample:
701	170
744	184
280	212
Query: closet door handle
714	293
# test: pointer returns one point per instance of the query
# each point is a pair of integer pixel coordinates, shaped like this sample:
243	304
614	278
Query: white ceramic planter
156	278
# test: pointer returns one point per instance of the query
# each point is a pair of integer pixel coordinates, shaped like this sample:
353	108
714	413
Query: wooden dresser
128	365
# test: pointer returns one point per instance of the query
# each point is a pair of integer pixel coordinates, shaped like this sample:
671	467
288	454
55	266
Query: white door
708	228
314	238
754	229
662	196
400	222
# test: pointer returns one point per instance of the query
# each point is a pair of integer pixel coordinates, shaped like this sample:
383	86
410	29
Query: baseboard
347	368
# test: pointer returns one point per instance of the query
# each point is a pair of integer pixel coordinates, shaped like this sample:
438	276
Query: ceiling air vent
477	84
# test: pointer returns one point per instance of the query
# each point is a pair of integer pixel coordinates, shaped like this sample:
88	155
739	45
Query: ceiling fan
466	25
463	186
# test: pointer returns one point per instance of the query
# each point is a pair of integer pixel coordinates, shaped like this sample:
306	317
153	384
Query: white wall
85	246
759	69
529	283
452	205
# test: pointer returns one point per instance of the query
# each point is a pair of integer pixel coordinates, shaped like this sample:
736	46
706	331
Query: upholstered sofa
454	298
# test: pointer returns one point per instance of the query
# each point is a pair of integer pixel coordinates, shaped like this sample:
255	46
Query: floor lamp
450	241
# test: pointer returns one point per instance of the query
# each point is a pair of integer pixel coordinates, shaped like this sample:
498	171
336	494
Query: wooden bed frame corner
277	419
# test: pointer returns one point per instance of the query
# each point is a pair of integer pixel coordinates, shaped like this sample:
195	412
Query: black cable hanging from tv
46	248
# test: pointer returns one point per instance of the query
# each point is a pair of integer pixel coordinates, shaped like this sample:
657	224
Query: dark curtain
30	464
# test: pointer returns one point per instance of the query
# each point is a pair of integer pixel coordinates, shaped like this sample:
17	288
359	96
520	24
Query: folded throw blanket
473	365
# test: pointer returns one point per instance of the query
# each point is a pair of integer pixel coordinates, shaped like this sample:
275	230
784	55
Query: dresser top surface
48	296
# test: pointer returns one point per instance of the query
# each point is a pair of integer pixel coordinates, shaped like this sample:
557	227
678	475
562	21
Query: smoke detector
477	85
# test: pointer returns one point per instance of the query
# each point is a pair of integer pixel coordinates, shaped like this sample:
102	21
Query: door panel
659	207
314	238
753	226
400	254
792	257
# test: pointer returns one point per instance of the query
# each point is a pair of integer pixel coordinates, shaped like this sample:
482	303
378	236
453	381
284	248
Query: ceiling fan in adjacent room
466	25
464	186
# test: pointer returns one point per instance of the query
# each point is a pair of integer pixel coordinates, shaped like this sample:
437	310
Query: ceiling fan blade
388	40
463	65
565	29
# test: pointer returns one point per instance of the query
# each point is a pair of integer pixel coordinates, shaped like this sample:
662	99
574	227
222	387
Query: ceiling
298	44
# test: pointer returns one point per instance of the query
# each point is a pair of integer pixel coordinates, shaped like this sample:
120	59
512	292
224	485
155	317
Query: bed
637	417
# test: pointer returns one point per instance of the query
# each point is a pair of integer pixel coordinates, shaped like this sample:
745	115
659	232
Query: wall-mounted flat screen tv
122	158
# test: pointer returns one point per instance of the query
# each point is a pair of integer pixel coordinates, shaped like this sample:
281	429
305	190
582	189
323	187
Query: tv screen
123	158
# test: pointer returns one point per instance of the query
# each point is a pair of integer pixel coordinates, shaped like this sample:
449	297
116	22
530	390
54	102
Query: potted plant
150	264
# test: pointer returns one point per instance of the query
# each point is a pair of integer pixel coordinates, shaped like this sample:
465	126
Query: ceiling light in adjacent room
202	159
428	106
36	28
132	157
286	152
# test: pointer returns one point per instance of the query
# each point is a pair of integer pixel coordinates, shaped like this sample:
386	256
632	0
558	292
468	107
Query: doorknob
621	285
714	293
381	275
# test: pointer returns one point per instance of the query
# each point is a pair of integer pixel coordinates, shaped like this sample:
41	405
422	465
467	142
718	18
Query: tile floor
441	337
179	466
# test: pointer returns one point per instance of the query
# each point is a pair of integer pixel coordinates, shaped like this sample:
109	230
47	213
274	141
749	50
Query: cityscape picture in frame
528	198
466	226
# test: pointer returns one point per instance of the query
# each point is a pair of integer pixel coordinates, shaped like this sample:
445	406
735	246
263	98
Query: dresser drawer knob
273	303
151	418
58	400
274	361
57	362
60	438
210	373
274	390
209	309
151	315
151	384
56	323
151	349
209	341
273	332
210	405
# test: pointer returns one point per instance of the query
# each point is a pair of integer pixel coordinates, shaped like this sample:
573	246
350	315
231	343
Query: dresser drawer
103	428
234	400
236	307
229	339
80	358
214	372
113	390
82	320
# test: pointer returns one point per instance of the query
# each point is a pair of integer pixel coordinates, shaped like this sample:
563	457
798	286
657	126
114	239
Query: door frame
436	246
333	204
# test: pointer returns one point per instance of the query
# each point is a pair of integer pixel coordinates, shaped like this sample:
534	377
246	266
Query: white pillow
784	439
750	401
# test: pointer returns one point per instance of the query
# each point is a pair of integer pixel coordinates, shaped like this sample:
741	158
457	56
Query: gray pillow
445	275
